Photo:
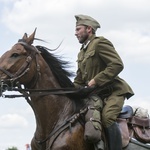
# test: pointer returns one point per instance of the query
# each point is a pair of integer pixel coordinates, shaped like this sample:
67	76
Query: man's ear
89	29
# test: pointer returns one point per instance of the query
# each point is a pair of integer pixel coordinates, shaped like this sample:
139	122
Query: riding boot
113	135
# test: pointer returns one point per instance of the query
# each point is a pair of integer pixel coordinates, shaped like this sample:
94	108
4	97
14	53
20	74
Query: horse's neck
50	110
46	79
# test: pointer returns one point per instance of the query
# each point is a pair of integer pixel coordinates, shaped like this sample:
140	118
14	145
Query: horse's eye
15	55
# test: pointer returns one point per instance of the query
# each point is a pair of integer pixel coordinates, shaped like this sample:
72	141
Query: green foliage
12	148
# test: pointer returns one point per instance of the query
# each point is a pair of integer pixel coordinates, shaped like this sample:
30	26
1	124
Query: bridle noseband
24	69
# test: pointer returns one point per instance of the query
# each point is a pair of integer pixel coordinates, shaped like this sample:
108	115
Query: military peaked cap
87	20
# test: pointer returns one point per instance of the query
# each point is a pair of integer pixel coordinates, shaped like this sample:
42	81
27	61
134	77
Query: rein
40	92
33	92
21	72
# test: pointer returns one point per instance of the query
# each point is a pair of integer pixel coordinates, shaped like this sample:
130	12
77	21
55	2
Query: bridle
13	79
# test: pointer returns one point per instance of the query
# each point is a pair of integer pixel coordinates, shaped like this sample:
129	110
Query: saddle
133	126
140	128
122	120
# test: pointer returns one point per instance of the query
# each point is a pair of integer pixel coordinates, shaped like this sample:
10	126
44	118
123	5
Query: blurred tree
12	148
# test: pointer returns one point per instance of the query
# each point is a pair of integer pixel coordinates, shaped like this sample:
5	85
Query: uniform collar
85	45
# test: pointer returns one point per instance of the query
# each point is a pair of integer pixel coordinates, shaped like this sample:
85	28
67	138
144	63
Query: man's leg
114	137
112	107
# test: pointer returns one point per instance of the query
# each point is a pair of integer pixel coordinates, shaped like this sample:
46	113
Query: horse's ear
30	39
25	36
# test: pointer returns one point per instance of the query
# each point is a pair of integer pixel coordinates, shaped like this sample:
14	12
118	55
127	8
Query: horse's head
32	66
17	63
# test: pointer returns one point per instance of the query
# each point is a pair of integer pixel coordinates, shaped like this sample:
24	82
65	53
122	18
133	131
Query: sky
124	22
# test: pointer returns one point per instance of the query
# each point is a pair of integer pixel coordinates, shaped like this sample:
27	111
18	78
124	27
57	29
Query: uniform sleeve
112	60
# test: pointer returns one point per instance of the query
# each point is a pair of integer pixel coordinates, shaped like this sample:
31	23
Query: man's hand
92	83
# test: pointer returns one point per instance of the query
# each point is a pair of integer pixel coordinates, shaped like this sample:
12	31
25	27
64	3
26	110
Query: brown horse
36	68
44	82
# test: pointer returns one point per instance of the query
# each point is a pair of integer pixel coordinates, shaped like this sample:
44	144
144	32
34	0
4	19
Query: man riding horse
99	65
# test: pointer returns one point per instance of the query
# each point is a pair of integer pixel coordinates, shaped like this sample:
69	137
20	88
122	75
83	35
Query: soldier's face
82	33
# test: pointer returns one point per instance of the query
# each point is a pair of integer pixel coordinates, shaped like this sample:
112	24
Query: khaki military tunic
99	60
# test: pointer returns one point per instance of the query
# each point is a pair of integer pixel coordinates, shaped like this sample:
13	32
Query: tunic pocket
90	54
90	59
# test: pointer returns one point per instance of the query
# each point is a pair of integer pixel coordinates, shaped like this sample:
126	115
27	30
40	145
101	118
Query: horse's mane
57	66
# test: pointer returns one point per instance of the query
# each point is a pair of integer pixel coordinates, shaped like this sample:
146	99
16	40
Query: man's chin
80	41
